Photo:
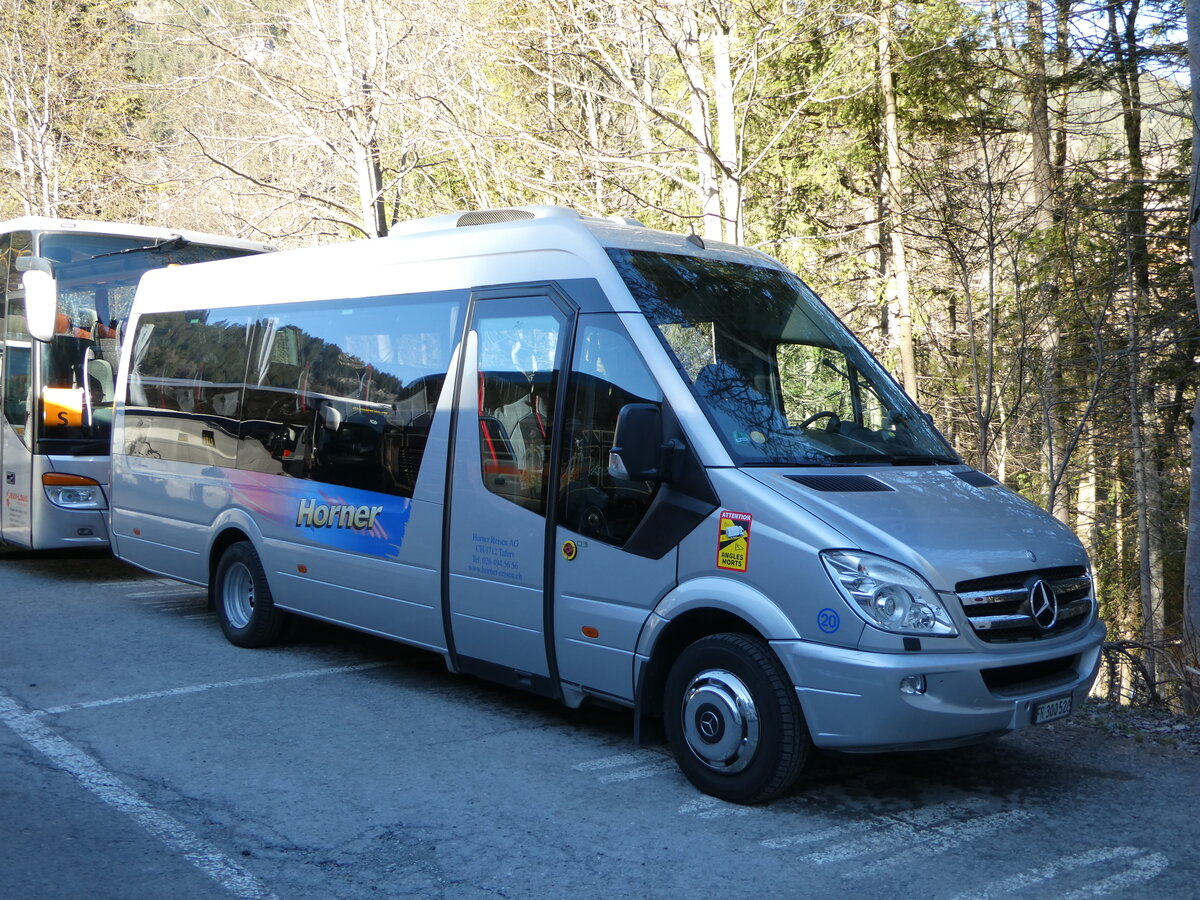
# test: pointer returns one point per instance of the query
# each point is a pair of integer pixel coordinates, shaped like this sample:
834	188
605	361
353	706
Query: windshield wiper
922	459
166	246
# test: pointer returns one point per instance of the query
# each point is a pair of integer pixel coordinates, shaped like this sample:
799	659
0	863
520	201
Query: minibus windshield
780	378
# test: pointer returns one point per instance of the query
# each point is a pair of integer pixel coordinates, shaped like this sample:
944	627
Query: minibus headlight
73	491
888	595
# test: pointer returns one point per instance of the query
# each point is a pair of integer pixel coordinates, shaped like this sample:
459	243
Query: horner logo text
322	515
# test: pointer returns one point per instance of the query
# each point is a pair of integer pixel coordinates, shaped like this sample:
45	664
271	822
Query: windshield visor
780	378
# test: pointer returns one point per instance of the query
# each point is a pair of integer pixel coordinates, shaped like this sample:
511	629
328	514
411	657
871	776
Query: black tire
717	746
242	599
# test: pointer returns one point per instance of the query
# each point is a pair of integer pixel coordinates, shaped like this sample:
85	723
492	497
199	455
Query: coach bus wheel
733	721
243	600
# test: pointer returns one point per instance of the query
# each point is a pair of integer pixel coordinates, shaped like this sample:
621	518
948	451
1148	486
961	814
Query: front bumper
852	700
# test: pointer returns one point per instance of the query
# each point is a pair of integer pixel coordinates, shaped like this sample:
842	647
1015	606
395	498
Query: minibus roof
459	251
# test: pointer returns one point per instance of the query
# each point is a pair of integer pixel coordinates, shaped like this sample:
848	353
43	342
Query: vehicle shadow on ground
1026	766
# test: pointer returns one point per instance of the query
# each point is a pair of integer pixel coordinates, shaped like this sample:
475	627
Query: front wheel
244	606
733	721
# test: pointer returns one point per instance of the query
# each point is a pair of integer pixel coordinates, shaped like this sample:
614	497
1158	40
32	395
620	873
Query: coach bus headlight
888	595
73	491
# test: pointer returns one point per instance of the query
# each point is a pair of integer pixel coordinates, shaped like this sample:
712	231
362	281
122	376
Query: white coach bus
593	460
58	392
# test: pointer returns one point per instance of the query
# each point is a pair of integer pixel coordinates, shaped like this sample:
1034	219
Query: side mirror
637	453
41	304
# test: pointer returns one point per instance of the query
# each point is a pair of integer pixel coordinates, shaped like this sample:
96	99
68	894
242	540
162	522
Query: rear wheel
243	600
733	721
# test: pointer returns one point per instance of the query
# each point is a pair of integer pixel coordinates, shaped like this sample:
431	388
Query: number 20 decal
828	620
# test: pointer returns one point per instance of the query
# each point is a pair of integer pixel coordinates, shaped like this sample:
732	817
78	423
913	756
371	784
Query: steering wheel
833	418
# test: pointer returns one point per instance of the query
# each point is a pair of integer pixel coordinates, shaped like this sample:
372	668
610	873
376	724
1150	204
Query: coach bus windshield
781	379
96	277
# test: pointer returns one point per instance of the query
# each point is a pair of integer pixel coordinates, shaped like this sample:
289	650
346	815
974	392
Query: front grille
1030	677
999	609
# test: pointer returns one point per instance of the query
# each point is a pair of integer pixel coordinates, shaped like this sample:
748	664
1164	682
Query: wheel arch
675	636
695	610
228	530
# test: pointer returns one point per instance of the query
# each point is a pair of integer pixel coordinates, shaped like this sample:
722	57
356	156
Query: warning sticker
733	541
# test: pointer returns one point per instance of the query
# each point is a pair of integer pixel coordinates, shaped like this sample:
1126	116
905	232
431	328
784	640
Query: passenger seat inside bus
100	379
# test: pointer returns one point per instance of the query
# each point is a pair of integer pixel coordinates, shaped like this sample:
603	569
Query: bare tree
347	86
64	107
663	102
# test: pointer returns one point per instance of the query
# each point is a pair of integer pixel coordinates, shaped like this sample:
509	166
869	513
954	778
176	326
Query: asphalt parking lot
141	755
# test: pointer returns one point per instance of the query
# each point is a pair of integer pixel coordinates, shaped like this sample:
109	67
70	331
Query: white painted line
212	686
107	787
712	808
611	762
659	768
1143	868
823	835
912	842
184	590
145	582
882	826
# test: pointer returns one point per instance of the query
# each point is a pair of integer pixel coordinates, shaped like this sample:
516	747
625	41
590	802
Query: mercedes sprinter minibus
593	460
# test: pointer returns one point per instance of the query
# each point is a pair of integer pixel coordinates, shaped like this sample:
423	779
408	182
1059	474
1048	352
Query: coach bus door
501	487
16	464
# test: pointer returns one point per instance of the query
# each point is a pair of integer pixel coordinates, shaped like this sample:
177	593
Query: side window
606	374
18	243
185	386
16	352
519	346
17	388
344	392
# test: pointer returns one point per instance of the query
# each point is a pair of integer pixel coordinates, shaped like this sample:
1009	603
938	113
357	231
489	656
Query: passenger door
502	484
603	592
16	463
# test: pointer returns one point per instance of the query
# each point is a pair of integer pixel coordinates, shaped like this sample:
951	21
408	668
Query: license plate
1051	710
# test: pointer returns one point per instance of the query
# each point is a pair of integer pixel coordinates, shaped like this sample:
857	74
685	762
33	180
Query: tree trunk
727	136
1191	595
698	103
1141	396
898	281
1047	285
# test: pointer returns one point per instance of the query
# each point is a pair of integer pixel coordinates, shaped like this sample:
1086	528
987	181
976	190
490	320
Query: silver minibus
594	461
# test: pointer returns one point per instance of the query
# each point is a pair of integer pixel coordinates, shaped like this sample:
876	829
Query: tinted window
519	347
185	386
15	353
344	392
607	373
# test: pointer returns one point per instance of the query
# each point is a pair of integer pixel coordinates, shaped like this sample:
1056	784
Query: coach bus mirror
637	451
41	304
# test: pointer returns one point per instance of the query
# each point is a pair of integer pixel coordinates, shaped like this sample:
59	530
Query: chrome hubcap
237	595
720	721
